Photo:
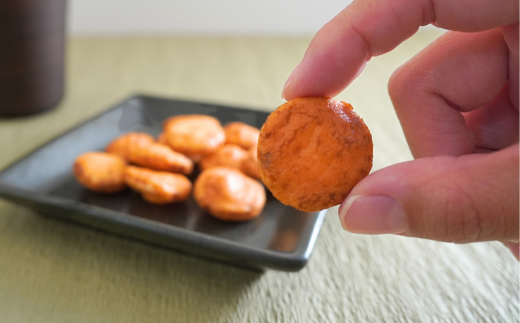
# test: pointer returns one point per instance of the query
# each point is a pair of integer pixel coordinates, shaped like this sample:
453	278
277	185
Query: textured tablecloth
53	271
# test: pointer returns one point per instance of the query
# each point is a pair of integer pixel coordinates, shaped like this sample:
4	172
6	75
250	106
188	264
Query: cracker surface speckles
313	151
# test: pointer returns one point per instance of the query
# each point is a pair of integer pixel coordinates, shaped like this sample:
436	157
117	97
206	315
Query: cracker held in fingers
313	151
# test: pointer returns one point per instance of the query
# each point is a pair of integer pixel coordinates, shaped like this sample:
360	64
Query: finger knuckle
397	84
410	82
464	219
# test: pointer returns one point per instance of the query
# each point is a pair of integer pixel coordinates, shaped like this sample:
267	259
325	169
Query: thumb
457	199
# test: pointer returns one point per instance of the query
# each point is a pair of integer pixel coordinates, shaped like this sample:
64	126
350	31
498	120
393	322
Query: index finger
366	28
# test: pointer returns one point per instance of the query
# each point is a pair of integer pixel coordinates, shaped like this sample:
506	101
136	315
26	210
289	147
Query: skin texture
100	172
158	187
457	101
229	155
229	195
121	144
194	135
312	151
241	134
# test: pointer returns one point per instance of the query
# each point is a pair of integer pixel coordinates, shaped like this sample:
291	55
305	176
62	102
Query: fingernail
376	214
289	79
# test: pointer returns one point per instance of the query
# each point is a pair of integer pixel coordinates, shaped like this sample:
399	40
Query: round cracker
313	151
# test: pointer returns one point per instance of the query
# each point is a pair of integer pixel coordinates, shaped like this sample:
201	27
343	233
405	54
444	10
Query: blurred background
201	17
237	53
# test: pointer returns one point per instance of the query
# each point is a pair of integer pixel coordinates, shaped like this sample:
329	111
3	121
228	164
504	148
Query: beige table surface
52	271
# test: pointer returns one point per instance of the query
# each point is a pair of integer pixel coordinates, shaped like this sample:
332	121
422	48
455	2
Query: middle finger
459	72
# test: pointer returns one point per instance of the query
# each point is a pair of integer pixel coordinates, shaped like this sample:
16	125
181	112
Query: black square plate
280	238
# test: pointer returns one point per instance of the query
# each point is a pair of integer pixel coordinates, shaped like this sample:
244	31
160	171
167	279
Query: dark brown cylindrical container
32	50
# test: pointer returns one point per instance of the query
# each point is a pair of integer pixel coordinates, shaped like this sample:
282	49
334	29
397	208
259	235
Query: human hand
457	101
